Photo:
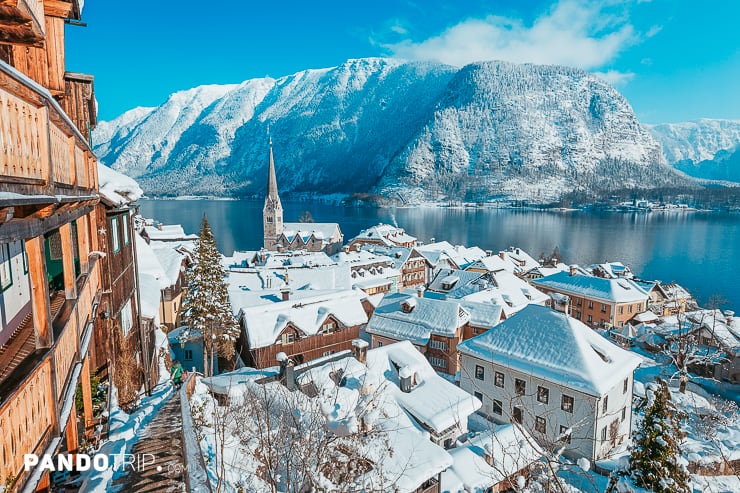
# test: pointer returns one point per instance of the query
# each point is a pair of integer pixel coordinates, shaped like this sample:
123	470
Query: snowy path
162	438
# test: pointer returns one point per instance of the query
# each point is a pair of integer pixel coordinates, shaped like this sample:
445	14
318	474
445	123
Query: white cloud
577	33
615	77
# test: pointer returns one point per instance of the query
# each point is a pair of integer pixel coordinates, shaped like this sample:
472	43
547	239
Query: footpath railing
196	475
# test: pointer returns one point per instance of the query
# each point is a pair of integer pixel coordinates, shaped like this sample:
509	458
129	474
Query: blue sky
674	60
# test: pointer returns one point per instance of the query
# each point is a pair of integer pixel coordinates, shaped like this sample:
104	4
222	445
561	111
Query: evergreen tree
655	462
206	308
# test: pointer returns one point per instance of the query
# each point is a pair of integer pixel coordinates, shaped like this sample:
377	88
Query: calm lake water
699	250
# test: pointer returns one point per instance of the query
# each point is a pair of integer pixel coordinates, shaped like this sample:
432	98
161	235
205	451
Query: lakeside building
414	269
597	301
279	236
50	244
383	235
568	386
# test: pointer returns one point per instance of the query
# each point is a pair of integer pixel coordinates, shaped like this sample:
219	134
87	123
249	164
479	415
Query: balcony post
39	292
70	286
86	394
83	240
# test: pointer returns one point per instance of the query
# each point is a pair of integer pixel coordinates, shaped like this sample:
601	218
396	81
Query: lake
699	250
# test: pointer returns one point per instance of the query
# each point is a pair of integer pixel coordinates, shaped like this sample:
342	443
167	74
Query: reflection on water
699	250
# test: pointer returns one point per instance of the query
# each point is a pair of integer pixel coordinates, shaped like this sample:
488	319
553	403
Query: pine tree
206	308
655	459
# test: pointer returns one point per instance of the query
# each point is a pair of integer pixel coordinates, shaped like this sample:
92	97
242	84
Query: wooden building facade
50	264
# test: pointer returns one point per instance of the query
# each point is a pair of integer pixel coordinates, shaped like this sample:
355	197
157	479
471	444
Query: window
590	304
625	385
438	362
605	404
621	310
520	386
6	274
327	353
578	314
441	345
590	319
288	338
629	308
603	434
498	379
498	407
579	302
379	344
540	424
480	372
624	413
327	328
603	308
114	241
566	404
25	257
565	434
188	355
517	415
478	396
127	319
124	226
543	394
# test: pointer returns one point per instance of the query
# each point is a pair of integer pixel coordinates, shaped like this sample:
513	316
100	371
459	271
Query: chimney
345	248
729	316
502	255
359	349
159	226
406	379
285	293
489	253
287	370
488	454
357	247
573	269
420	292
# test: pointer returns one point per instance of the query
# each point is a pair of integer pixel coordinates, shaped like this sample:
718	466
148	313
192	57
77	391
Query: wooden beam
39	292
57	8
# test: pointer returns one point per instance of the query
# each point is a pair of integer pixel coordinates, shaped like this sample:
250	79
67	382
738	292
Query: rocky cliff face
415	131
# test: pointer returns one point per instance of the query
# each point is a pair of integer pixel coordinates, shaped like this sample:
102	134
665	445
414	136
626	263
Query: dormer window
288	338
408	305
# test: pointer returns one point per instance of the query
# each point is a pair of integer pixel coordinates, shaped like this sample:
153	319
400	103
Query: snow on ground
123	429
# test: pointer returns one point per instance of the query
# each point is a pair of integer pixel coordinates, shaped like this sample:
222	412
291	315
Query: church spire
272	190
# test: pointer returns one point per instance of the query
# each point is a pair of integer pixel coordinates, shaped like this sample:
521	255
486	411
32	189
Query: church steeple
272	213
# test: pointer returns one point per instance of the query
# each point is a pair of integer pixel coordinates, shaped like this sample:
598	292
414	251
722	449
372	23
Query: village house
303	324
566	385
383	235
412	266
374	274
279	236
156	231
443	255
597	301
435	327
50	259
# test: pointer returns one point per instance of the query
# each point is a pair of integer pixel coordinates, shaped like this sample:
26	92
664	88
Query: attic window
507	299
527	293
408	305
602	354
624	285
449	282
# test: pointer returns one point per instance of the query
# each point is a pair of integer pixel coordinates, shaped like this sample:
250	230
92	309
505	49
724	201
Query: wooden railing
29	414
41	150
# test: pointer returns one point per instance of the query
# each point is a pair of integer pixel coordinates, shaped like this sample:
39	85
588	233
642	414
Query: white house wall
586	427
15	299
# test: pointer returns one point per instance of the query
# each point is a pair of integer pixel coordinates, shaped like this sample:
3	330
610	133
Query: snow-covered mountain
407	129
703	148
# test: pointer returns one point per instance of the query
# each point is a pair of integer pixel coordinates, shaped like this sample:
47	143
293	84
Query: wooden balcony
37	382
22	22
42	152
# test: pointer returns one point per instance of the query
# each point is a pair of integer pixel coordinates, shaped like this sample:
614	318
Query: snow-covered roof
647	316
674	291
358	258
149	292
168	232
426	317
264	323
611	270
386	234
117	189
294	258
511	447
461	256
610	290
171	261
552	346
507	290
320	231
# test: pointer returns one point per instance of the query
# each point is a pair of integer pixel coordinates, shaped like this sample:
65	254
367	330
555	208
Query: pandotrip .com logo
97	462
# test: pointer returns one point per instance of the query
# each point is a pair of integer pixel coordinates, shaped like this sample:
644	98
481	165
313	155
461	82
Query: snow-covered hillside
696	141
412	130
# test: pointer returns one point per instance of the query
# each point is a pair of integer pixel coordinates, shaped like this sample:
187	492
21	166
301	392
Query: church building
280	236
